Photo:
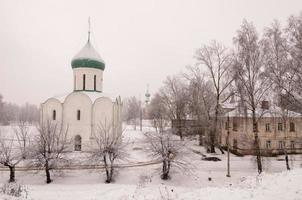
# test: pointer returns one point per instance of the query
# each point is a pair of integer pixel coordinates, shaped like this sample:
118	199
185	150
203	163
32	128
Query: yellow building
277	130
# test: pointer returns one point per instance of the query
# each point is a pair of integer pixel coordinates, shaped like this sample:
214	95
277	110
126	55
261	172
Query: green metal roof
88	57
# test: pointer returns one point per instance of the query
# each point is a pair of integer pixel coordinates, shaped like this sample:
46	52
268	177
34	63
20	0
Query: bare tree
218	62
168	149
158	113
174	95
108	147
278	70
251	83
10	112
132	110
28	113
10	155
293	75
201	107
49	146
22	135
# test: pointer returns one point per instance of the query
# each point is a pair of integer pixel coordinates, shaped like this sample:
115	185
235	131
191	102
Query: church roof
88	57
93	96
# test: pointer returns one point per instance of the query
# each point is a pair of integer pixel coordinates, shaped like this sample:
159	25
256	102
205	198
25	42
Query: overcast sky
141	41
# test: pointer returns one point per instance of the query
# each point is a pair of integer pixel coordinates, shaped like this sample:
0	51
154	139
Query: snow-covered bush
15	190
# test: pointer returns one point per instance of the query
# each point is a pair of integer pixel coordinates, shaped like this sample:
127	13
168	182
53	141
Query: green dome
88	57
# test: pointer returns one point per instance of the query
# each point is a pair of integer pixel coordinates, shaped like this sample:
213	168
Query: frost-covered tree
252	85
108	147
174	95
49	146
10	154
278	70
158	113
164	146
22	134
132	110
217	61
201	107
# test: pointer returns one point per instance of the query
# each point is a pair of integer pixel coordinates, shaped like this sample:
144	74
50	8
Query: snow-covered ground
144	182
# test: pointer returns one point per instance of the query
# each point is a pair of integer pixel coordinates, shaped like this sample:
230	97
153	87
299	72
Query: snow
88	52
143	182
273	111
93	96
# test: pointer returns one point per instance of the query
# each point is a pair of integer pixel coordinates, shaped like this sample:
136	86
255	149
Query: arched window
84	81
54	115
94	82
77	143
78	115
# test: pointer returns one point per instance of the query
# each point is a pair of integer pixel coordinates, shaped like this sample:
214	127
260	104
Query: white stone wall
74	102
102	112
47	110
89	83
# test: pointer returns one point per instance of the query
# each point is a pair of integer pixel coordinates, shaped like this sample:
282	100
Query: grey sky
141	41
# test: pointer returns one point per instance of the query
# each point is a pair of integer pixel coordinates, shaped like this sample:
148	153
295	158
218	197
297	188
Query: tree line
13	113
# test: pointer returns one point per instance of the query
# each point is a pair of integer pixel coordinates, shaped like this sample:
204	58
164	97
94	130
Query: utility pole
228	146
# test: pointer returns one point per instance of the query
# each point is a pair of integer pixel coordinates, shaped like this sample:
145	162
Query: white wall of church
49	107
103	112
74	102
89	82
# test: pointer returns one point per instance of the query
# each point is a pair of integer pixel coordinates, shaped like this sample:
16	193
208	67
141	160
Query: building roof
274	111
93	96
88	57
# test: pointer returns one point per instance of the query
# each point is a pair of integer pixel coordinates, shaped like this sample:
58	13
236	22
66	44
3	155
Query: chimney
265	105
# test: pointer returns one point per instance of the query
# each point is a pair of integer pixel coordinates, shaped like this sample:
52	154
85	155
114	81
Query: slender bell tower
88	68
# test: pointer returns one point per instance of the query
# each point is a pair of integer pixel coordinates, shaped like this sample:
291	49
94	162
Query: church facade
87	109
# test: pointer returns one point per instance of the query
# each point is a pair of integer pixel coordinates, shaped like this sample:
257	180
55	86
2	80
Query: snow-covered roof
88	57
273	111
93	96
88	51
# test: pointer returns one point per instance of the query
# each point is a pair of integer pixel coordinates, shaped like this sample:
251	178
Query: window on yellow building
268	144
280	127
292	127
267	127
235	124
281	144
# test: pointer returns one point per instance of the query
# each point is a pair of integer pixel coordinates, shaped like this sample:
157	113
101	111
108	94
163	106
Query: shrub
14	189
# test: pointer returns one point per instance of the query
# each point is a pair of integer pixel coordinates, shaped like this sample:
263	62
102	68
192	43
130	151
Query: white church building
87	107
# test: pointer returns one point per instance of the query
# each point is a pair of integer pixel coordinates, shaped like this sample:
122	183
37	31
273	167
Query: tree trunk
212	141
200	134
48	179
257	146
286	159
228	147
11	174
108	179
165	174
179	131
